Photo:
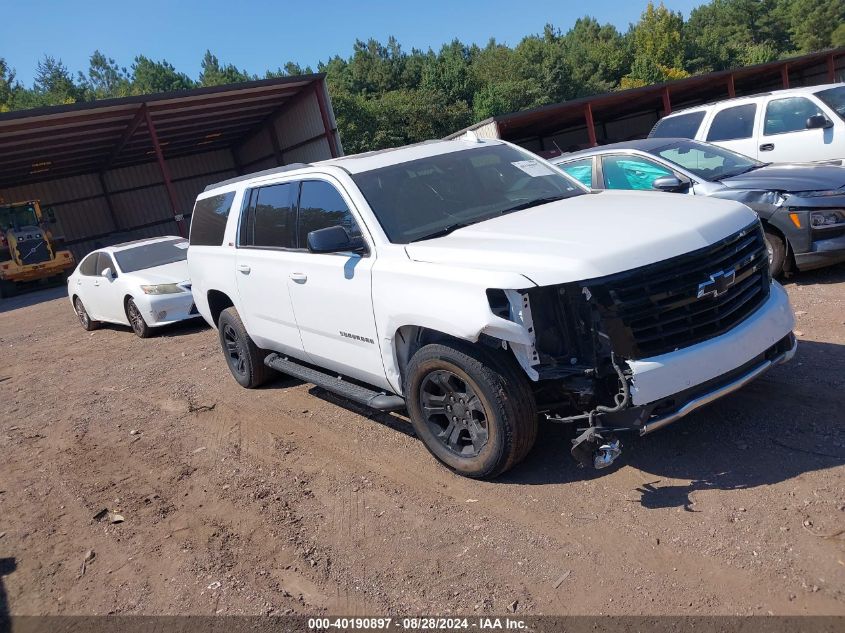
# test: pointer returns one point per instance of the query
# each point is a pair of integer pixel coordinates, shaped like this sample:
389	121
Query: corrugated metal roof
59	141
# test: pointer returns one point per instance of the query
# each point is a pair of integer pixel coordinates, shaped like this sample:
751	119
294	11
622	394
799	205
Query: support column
784	75
274	141
667	102
165	175
731	87
831	68
107	198
321	102
591	128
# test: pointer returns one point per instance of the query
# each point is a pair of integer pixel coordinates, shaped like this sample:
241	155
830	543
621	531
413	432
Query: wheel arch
217	302
789	255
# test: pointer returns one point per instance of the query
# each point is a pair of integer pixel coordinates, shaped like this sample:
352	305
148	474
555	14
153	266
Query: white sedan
142	284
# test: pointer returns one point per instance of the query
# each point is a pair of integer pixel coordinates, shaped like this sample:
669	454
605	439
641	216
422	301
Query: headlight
162	289
827	219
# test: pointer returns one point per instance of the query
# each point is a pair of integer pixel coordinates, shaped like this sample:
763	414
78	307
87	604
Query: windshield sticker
182	245
533	168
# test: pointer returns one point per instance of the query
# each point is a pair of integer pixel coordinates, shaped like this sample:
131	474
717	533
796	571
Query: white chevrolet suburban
784	126
480	288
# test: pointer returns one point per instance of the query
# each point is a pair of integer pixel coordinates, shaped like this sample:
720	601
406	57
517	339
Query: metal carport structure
131	167
629	114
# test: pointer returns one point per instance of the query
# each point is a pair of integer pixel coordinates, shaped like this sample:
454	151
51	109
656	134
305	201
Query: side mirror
818	121
668	183
333	239
107	273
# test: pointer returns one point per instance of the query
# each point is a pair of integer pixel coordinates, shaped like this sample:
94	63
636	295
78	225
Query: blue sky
261	34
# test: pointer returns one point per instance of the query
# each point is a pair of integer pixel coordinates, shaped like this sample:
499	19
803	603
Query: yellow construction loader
27	247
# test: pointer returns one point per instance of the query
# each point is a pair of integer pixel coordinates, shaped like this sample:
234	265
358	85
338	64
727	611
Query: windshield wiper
533	203
739	172
441	232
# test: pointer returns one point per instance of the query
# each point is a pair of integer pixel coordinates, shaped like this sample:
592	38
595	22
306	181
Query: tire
777	253
136	320
488	395
85	321
243	357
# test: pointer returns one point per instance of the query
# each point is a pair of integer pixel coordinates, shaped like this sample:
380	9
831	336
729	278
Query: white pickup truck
479	288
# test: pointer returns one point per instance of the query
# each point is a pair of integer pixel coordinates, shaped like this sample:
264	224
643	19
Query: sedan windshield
152	255
433	196
706	161
835	98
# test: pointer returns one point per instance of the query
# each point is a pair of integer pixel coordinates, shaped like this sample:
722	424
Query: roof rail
256	174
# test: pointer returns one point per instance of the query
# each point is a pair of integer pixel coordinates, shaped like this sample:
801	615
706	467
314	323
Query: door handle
97	283
299	278
767	147
244	268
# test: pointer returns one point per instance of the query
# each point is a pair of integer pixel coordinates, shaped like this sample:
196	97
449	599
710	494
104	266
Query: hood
790	177
587	236
174	273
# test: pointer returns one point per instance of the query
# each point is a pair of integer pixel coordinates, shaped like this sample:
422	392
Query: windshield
17	217
835	98
432	196
706	161
152	255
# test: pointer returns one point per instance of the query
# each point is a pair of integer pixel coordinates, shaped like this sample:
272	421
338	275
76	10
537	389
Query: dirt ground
289	500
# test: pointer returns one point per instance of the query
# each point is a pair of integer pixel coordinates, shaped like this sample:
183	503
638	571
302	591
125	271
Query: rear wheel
473	410
777	252
86	321
244	358
136	320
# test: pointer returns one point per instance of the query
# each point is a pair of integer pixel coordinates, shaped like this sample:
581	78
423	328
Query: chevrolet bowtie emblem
717	285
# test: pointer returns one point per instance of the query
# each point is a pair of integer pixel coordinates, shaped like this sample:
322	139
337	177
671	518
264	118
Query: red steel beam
130	130
591	128
165	175
327	127
784	75
274	141
731	86
667	102
831	68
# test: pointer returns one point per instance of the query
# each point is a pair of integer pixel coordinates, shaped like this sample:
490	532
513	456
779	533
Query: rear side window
88	267
788	115
208	222
680	126
580	170
270	220
733	123
322	206
104	261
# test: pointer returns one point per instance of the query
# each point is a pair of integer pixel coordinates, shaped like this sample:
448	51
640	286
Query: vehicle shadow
7	566
786	423
180	328
830	275
33	297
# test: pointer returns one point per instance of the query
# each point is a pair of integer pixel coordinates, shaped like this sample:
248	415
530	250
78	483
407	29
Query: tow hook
607	454
590	448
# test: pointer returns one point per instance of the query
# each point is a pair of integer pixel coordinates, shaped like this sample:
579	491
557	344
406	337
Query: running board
331	382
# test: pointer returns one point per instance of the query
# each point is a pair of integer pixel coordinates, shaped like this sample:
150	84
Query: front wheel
244	358
473	409
136	320
85	320
776	250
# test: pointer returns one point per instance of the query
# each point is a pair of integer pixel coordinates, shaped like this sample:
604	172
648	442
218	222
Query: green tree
813	22
8	87
213	73
150	76
595	55
53	85
657	47
104	78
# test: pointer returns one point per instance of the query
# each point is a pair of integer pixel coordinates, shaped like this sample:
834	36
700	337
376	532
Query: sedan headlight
827	218
162	289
